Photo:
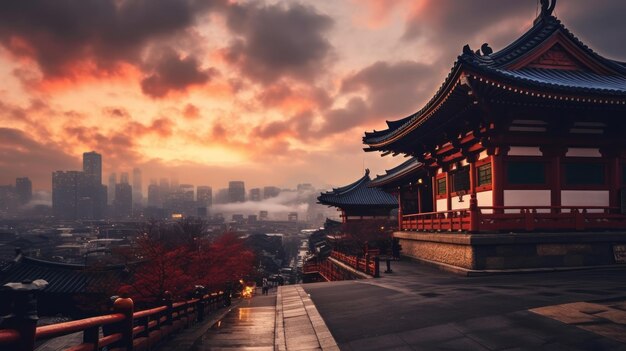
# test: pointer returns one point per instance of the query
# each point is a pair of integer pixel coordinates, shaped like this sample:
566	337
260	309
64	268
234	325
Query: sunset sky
272	93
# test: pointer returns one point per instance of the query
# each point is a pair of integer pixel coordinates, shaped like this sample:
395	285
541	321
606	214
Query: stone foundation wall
512	251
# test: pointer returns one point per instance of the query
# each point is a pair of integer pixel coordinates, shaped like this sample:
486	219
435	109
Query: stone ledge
512	238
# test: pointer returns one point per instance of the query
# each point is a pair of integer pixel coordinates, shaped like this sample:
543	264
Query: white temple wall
585	198
442	205
527	198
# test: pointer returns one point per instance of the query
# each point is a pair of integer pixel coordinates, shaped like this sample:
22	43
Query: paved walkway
286	320
420	308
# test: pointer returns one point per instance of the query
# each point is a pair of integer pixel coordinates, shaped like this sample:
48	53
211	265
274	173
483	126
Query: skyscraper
94	193
236	191
137	187
92	166
112	182
154	196
270	191
255	194
67	189
24	190
204	194
123	203
124	179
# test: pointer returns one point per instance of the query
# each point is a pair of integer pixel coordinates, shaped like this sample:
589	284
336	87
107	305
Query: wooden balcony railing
124	329
369	264
517	218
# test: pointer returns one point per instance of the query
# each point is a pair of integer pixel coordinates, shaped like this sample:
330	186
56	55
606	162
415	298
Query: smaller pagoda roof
406	168
62	278
358	194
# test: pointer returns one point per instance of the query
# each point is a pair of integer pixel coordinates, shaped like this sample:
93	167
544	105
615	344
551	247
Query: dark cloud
280	93
21	155
280	40
600	24
443	27
348	117
174	73
64	35
393	90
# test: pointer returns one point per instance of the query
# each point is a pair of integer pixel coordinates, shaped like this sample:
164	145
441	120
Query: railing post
474	214
125	306
167	301
199	294
23	317
377	267
579	220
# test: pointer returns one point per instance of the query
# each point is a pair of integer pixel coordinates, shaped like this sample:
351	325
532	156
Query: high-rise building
67	189
112	182
92	166
137	187
164	187
123	203
221	197
9	201
236	191
154	196
187	191
94	198
204	195
255	194
24	190
124	179
270	192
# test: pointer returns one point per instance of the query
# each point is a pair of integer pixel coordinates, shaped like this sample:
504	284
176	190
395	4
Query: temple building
530	139
358	201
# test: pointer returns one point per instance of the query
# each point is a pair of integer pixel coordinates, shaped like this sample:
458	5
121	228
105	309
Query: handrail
126	327
517	218
64	328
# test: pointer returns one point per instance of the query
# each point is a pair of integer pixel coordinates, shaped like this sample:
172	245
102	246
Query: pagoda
358	201
528	139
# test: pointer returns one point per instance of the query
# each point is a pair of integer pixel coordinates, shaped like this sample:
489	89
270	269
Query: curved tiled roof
358	194
495	65
61	277
405	168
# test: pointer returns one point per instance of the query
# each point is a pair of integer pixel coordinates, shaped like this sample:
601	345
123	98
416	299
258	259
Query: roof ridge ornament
547	7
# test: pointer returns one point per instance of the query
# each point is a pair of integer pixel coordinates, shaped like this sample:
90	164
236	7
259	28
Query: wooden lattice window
526	173
441	186
484	174
584	173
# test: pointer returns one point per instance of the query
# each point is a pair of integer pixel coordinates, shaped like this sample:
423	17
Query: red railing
124	329
517	218
368	264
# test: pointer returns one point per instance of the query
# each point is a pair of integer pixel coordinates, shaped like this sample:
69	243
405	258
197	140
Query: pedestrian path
249	326
299	325
285	320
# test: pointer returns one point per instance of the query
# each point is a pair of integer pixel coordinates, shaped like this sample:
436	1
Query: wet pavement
420	308
249	326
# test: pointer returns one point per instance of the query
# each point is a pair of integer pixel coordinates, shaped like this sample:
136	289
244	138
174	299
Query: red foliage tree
179	267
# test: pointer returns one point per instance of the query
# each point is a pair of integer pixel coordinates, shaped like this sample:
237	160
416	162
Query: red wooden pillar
555	155
419	198
497	179
614	172
399	209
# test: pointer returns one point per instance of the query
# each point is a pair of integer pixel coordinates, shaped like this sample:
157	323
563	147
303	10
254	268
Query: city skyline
198	96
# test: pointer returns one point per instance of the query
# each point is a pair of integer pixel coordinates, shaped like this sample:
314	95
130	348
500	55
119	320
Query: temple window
461	179
584	173
441	186
484	174
526	172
